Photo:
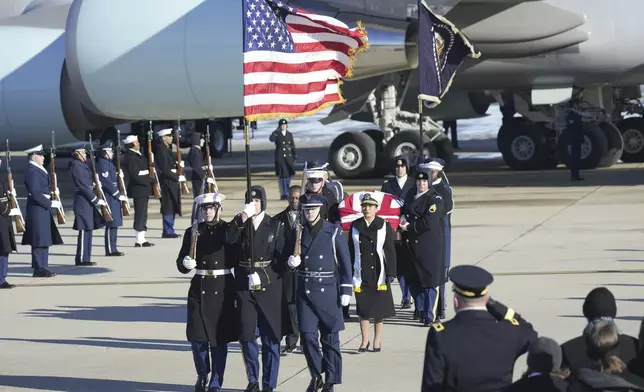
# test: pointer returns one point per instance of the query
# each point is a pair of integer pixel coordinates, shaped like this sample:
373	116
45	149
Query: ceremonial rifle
156	190
13	201
298	227
182	184
55	192
120	181
212	188
98	188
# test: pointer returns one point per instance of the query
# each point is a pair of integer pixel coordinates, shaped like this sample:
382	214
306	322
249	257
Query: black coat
139	182
168	180
285	154
586	380
289	280
197	162
40	228
212	316
538	383
575	352
404	267
391	186
86	213
7	238
425	239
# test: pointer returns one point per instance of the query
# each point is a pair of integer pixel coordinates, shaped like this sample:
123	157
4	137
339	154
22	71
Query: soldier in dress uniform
291	217
476	350
197	162
259	288
212	317
285	156
40	229
169	183
86	207
139	187
7	238
324	286
108	178
441	184
423	235
315	186
400	186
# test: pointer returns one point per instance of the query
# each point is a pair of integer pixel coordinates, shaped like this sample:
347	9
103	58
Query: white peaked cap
210	198
433	165
164	132
34	149
130	139
315	173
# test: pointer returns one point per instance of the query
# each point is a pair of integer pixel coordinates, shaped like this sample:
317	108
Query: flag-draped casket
389	208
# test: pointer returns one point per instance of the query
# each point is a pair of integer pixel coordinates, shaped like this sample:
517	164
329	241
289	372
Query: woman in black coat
373	256
285	157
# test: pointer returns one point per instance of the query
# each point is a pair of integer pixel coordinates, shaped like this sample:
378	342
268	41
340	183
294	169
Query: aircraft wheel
632	130
383	166
593	148
525	147
615	144
352	154
406	143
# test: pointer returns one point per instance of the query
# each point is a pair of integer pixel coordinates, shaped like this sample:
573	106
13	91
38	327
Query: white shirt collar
257	219
437	181
367	222
138	152
472	308
38	166
420	194
401	180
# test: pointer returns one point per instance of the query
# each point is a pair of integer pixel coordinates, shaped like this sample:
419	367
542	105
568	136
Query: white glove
210	167
345	300
403	225
101	203
56	204
182	178
253	280
122	198
210	180
57	192
181	164
294	261
14	212
121	174
249	209
189	262
9	192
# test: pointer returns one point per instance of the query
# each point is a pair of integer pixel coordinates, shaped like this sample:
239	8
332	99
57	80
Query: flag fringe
473	52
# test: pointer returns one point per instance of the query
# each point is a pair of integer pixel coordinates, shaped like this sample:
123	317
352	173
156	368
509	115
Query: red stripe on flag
270	66
292	109
287	89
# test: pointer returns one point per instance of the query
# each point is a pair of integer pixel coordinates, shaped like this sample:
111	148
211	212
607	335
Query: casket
389	208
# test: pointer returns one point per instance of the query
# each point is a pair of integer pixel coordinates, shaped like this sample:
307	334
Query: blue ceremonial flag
442	48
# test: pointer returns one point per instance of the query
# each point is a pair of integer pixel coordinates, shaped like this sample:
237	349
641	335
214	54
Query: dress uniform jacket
40	229
86	215
323	275
108	177
7	238
168	181
196	159
268	246
285	154
424	238
138	173
290	220
474	352
212	316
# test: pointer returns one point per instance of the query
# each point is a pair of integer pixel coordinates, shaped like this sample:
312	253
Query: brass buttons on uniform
203	292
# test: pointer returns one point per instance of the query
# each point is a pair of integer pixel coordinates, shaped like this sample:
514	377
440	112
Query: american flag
293	60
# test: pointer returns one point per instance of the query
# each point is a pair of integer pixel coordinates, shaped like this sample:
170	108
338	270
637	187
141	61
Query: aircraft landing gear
525	145
632	130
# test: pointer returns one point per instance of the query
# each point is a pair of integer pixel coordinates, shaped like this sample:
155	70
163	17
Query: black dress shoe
252	387
316	384
175	235
287	350
416	315
86	264
327	388
43	273
146	244
406	305
114	254
7	285
201	384
267	389
576	178
214	389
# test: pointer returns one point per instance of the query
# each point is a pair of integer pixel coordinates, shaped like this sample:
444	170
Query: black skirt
374	304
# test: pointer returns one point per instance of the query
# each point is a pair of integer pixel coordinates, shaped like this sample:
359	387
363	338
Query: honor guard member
291	217
285	157
108	178
423	235
476	350
315	186
40	229
212	317
169	183
139	187
259	288
400	186
441	184
576	131
86	206
7	238
323	287
197	162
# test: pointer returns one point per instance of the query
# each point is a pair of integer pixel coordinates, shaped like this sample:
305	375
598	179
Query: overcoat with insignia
86	213
373	258
324	274
168	180
40	228
7	238
212	316
424	239
268	248
139	182
290	220
285	154
197	159
404	266
107	176
391	186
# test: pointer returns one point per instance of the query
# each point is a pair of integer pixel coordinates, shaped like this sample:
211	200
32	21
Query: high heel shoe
376	349
364	349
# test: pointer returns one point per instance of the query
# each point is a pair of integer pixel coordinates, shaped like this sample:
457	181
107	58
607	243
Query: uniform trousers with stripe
4	267
168	224
111	235
284	183
427	299
39	257
270	353
447	248
84	246
209	358
404	288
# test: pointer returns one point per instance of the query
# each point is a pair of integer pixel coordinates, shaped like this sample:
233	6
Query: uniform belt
258	264
216	272
318	274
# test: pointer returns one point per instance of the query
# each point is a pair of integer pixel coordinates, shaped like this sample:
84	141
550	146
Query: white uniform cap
164	132
433	165
210	198
35	150
315	173
82	148
130	139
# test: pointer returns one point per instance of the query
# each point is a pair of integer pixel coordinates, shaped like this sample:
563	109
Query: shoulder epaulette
438	327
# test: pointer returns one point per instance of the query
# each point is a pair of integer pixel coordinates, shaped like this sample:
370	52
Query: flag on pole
442	48
294	60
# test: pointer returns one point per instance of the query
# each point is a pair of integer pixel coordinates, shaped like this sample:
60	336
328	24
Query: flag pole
421	151
248	196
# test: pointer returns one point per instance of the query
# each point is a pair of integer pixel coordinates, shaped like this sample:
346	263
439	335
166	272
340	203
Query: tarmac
120	326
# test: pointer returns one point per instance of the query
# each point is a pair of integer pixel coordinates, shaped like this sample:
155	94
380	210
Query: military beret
470	281
368	200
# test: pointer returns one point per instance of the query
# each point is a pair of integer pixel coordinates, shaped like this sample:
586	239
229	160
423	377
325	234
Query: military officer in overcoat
7	238
108	178
169	183
476	350
324	286
285	156
423	235
139	187
197	162
258	283
315	185
291	217
212	318
400	186
40	229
